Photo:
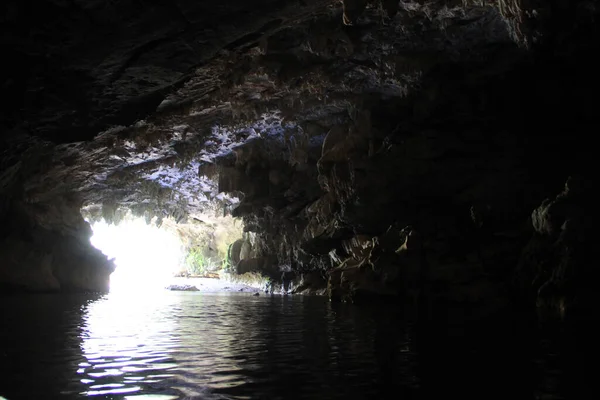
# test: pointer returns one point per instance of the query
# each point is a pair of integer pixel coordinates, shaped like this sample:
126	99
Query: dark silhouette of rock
352	10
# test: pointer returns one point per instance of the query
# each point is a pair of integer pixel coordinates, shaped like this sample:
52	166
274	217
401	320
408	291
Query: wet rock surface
337	131
211	285
183	288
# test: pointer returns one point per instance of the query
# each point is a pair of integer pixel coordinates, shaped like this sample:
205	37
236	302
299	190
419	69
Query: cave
409	184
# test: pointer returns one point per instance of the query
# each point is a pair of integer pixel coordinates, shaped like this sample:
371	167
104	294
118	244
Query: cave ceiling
135	103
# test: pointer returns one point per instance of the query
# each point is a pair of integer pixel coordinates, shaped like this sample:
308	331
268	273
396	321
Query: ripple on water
225	346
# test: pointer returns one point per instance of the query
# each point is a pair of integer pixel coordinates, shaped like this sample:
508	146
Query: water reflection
236	346
127	342
40	339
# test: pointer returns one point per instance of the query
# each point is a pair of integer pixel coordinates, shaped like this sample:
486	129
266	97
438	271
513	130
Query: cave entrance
156	254
146	256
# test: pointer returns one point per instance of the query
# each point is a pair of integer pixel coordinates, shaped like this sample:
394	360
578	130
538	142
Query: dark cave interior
389	151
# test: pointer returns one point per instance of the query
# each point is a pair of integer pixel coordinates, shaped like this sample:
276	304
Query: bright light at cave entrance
146	256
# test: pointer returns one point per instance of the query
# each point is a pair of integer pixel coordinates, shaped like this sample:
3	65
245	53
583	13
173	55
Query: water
238	346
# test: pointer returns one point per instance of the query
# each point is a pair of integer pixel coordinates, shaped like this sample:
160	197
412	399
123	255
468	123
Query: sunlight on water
125	338
146	256
159	347
183	345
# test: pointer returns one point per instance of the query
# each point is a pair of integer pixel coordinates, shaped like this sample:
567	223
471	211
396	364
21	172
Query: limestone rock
311	283
46	248
318	133
352	10
182	288
234	252
555	261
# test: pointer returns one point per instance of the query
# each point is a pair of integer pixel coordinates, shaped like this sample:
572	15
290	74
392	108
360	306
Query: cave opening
152	253
145	255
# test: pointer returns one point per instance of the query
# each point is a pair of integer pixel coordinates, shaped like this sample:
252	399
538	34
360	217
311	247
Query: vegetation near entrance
196	262
206	243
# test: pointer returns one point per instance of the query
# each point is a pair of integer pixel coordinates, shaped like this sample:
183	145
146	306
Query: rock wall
556	267
462	162
46	247
378	148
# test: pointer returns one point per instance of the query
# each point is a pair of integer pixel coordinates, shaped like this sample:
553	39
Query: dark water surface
237	346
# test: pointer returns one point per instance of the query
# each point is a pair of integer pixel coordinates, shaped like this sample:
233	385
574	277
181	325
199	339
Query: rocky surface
212	285
182	288
46	247
372	148
556	261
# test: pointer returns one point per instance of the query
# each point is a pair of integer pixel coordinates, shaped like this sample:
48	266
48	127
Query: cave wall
46	247
467	161
418	146
556	264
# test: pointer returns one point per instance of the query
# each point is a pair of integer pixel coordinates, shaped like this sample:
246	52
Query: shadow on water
41	341
230	346
310	348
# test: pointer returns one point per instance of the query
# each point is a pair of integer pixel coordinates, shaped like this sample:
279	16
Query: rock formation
372	148
45	246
